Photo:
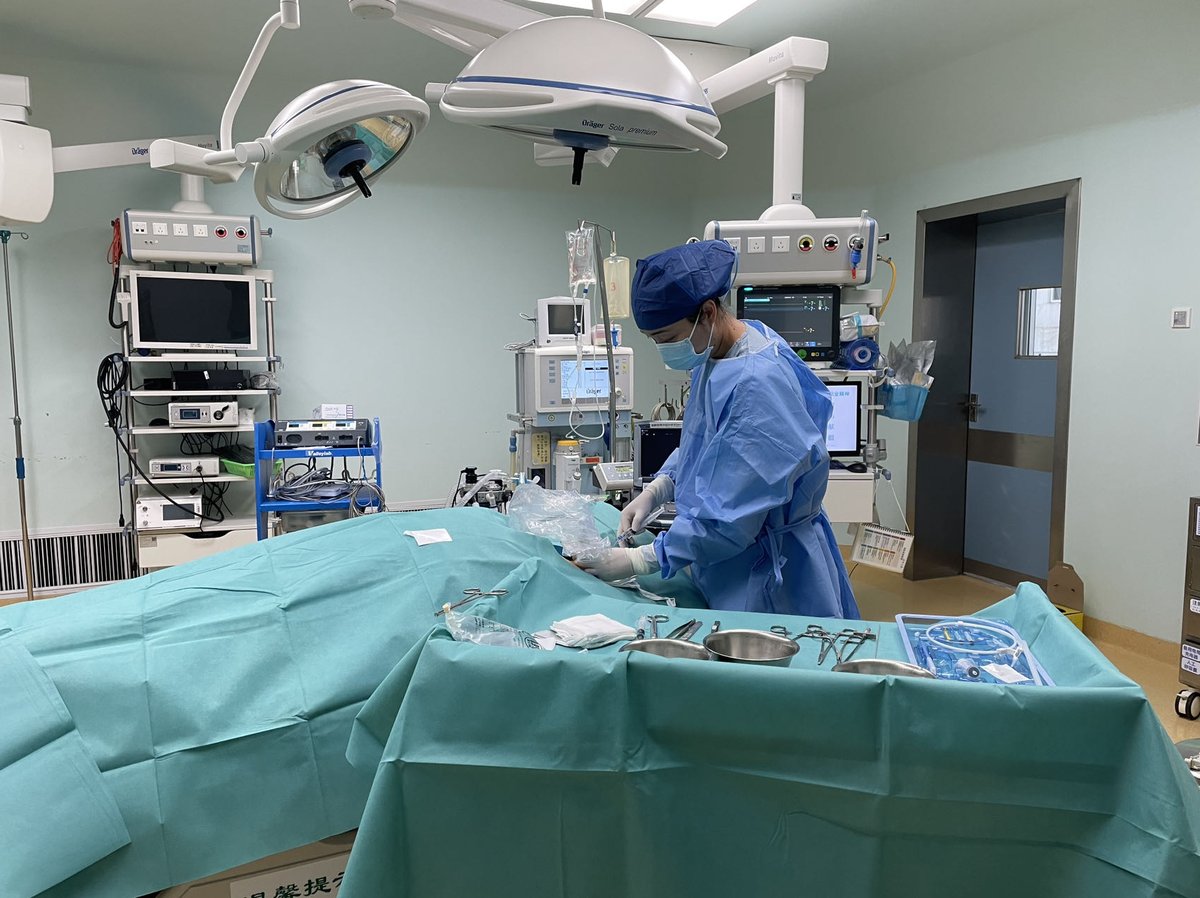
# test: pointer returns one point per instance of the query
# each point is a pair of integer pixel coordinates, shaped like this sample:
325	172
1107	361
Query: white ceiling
872	42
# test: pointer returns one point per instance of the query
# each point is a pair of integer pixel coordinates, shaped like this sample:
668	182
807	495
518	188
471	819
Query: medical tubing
574	430
887	260
1018	645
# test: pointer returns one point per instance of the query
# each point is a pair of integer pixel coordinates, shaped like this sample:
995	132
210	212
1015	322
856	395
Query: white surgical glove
621	564
633	516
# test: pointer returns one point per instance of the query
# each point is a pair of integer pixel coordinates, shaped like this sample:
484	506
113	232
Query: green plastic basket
246	469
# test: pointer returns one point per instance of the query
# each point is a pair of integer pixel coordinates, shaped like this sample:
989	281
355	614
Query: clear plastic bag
484	631
581	260
910	363
561	516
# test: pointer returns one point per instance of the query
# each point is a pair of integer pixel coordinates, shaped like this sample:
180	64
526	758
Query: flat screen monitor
807	317
183	310
843	434
583	380
654	441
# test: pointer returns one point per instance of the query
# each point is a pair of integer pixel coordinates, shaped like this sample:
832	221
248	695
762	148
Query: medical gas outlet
837	251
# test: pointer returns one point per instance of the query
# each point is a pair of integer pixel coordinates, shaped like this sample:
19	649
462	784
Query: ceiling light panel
616	7
697	12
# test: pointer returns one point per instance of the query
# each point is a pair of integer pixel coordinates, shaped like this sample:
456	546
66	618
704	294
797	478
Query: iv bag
581	259
616	282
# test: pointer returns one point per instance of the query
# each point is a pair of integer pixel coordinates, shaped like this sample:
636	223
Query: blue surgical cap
671	285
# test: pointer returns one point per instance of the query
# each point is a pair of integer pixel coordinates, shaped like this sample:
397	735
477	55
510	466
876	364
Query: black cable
112	301
111	378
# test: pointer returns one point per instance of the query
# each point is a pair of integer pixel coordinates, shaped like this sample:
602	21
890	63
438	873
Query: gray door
938	448
1013	393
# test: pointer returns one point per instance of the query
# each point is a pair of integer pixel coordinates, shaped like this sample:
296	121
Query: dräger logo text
139	151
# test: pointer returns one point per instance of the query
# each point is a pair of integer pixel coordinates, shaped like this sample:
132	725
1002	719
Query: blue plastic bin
904	402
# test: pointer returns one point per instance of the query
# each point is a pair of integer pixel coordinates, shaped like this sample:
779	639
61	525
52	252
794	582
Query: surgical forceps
470	595
654	620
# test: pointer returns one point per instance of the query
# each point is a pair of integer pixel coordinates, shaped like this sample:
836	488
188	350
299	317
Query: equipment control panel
839	251
202	414
556	379
190	237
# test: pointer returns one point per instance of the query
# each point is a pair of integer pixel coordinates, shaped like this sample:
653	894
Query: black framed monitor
807	317
653	443
843	436
186	310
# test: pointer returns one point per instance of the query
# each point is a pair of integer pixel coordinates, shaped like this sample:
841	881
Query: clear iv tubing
1017	645
574	430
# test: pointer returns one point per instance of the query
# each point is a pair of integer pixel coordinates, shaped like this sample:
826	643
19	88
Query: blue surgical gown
750	475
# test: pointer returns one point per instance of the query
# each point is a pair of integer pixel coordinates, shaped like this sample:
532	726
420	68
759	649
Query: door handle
972	407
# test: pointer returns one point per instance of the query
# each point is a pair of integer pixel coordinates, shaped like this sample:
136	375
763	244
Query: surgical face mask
682	356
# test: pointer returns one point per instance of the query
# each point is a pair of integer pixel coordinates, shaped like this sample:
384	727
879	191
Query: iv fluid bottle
616	280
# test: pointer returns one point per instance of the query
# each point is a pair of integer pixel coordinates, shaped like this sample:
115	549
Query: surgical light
586	83
698	12
323	149
327	145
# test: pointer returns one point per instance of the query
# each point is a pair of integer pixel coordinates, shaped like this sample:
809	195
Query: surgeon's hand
633	516
621	564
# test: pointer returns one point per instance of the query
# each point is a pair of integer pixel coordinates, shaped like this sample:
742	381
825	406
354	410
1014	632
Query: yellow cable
891	289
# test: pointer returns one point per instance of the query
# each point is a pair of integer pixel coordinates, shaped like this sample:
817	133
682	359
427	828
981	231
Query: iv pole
5	236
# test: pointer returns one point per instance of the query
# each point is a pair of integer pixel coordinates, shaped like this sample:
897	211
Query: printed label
1190	651
1195	606
1190	666
321	878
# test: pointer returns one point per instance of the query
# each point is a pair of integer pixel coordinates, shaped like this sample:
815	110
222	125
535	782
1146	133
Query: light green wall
1110	97
400	304
468	231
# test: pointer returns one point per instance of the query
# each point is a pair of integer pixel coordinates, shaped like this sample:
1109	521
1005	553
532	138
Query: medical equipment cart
166	547
266	455
1187	701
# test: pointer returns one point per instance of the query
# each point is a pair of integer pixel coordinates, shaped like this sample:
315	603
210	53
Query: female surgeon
750	472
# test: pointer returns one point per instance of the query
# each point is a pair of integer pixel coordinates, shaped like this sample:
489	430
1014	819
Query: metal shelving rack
131	431
266	454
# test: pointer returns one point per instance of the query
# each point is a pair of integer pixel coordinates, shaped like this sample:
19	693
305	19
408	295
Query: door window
1037	322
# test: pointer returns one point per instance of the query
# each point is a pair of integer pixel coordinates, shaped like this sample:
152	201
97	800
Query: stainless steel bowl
751	647
881	667
669	648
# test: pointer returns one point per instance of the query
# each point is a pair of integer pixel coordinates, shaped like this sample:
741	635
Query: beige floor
1148	662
